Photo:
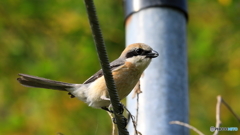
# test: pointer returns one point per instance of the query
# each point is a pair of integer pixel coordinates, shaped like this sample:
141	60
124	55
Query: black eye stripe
139	51
130	54
146	52
136	52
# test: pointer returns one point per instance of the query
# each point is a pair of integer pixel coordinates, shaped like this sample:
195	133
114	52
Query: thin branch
230	109
137	91
137	109
218	110
186	125
218	121
133	121
114	126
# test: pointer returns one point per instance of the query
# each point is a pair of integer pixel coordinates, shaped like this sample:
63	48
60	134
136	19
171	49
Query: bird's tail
33	81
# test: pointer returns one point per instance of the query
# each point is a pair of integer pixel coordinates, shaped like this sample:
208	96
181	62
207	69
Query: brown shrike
126	71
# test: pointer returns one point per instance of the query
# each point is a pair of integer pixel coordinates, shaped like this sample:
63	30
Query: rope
100	45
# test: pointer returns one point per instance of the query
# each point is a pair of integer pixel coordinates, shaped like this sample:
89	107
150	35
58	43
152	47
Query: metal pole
164	83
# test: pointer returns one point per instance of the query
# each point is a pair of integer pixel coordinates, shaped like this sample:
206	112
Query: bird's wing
113	65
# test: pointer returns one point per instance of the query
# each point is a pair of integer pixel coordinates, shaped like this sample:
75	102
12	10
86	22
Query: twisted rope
100	45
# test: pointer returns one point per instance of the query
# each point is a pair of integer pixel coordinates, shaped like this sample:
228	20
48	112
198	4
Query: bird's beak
152	54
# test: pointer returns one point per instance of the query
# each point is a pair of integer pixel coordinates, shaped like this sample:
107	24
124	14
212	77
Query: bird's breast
125	78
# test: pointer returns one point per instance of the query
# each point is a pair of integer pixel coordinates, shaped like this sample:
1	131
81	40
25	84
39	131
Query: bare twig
133	121
114	126
137	109
137	91
230	109
218	121
186	125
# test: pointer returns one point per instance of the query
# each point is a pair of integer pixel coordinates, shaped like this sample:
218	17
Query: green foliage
52	39
214	61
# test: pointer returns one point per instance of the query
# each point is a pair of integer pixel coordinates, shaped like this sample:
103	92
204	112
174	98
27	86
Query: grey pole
162	25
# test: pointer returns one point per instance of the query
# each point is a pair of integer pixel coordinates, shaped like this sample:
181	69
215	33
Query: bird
126	71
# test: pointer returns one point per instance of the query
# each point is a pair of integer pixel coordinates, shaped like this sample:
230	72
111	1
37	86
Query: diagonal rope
100	45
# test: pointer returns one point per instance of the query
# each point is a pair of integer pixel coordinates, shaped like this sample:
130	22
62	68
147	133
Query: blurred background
52	39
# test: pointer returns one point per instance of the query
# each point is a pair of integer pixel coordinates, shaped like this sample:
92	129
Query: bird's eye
139	51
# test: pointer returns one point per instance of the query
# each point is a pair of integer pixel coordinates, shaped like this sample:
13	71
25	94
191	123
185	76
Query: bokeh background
52	39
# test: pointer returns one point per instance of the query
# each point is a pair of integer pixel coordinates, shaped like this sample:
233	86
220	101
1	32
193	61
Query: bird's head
139	54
